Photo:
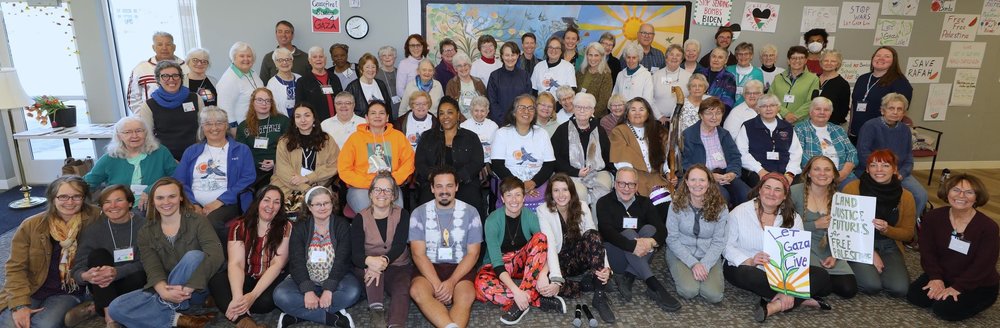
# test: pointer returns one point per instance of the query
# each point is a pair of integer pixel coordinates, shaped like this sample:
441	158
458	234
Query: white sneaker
350	320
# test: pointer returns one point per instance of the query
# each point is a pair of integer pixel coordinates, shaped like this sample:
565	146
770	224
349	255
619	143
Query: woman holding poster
894	220
769	206
813	201
958	252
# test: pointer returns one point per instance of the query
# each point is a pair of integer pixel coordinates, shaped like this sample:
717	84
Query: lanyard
130	224
869	86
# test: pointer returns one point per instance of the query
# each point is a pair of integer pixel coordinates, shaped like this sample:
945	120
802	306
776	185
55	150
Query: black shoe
624	282
514	315
552	304
603	306
577	322
285	320
590	316
760	311
664	299
340	319
587	283
823	305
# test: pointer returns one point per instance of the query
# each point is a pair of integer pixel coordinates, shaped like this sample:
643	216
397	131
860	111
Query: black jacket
310	90
466	154
298	246
560	146
360	103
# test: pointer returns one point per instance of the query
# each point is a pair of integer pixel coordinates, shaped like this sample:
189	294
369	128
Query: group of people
516	181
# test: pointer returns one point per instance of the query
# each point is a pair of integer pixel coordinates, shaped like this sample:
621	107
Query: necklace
511	234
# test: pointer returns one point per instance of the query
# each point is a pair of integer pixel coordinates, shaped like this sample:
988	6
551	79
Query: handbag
77	167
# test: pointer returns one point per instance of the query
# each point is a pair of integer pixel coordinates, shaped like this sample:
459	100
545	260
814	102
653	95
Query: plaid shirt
713	146
811	143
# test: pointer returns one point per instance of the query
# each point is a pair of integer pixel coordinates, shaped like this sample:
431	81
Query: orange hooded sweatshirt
365	153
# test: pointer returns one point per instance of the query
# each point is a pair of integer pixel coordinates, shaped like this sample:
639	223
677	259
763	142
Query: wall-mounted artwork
465	21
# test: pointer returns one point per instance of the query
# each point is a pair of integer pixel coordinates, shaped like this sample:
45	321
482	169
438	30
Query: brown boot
194	321
247	322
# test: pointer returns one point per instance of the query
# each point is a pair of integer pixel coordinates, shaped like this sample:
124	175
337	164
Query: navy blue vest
762	141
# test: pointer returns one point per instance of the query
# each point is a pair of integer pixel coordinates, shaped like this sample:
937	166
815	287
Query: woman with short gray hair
387	73
634	80
238	82
217	172
171	111
283	84
464	87
199	82
133	158
587	149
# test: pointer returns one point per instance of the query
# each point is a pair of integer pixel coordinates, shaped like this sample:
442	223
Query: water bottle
945	174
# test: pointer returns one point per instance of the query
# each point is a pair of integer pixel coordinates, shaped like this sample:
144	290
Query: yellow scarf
65	233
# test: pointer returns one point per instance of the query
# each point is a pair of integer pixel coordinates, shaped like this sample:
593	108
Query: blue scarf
425	87
171	100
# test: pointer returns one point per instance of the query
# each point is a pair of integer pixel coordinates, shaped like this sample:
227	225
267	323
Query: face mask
815	47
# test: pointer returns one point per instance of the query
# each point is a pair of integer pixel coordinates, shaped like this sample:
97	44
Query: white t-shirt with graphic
523	155
209	179
486	130
826	144
415	128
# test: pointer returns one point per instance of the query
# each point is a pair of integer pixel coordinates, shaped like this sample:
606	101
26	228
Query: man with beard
445	236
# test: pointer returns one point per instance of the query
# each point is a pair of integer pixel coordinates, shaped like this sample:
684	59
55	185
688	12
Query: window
47	62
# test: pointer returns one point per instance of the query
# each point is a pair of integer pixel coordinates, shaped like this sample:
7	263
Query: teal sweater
110	170
496	227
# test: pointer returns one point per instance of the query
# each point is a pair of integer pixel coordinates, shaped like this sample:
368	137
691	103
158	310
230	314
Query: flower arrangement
44	107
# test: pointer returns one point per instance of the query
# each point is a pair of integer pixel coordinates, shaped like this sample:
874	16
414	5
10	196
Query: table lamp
13	97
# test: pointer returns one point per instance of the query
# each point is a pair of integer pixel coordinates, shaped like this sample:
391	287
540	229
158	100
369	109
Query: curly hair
253	123
278	224
574	211
713	203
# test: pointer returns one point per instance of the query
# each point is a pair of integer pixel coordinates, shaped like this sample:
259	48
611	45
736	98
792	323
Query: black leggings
223	295
970	303
844	285
754	280
103	296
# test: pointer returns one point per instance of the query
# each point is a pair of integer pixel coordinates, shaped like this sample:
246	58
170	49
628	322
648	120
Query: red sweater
963	272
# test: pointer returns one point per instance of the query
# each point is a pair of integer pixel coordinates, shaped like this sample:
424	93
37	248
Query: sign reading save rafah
788	269
851	232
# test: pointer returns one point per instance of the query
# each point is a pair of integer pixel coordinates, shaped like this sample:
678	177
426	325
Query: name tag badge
653	69
959	245
327	90
260	143
772	155
789	98
396	99
188	107
717	156
445	254
349	73
305	172
583	90
137	189
739	90
630	223
124	255
861	107
466	101
318	256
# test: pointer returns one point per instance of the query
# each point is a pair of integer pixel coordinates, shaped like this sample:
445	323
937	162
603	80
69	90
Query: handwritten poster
937	102
325	16
852	68
712	12
858	15
924	69
819	17
959	27
989	20
900	7
851	232
964	89
760	17
943	6
966	54
893	32
788	269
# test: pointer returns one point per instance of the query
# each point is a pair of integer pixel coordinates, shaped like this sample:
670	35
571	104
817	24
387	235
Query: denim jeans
55	309
292	301
145	308
919	193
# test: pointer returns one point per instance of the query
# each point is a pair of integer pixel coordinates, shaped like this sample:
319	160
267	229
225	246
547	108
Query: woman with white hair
217	172
595	77
171	111
238	82
197	81
424	81
634	80
721	83
319	87
698	86
747	110
833	86
283	84
664	80
819	138
692	48
464	87
387	73
768	57
133	158
587	148
768	144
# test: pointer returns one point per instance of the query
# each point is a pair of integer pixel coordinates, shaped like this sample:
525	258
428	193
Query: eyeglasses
343	103
754	93
647	33
413	45
381	191
262	100
64	198
214	124
170	76
131	132
283	60
197	61
626	185
323	204
797	58
554	48
524	107
966	193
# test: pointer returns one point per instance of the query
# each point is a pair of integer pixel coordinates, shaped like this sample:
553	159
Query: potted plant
50	108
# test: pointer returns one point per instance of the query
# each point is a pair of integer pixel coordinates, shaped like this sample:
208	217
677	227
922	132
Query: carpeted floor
10	219
734	311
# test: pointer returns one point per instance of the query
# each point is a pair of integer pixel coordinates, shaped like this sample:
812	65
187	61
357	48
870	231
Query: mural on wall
464	22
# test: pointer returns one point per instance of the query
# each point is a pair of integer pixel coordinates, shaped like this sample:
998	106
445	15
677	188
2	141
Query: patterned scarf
65	233
590	157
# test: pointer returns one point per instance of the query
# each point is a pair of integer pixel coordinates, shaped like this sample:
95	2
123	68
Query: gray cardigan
706	248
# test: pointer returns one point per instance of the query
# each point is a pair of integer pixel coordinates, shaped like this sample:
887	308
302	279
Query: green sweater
496	227
110	170
271	128
802	90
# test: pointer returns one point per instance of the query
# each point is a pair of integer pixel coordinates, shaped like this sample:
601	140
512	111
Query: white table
81	131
